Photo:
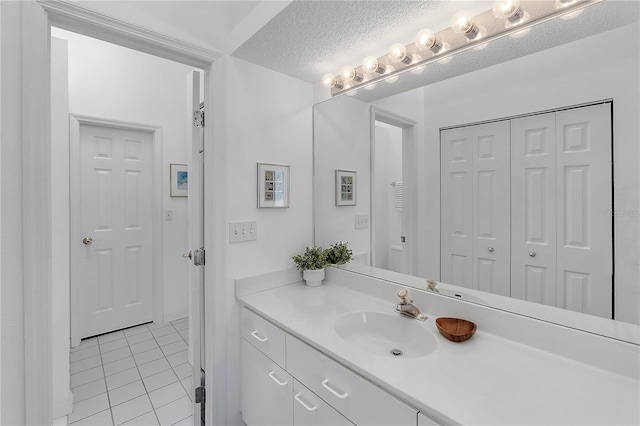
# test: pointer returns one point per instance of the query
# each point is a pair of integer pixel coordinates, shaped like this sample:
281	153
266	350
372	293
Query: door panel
533	208
114	281
585	246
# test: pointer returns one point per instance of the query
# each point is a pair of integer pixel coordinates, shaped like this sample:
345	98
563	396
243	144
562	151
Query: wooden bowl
456	329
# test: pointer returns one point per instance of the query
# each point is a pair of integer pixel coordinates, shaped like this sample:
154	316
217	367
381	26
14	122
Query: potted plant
312	263
339	254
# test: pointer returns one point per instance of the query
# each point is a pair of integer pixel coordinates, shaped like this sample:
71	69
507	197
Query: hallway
137	376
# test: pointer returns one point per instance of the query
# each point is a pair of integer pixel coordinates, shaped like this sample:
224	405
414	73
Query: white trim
75	121
36	144
76	18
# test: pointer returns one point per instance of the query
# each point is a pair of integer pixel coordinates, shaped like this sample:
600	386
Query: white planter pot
313	277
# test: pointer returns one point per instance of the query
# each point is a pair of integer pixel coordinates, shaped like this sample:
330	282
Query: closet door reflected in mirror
526	208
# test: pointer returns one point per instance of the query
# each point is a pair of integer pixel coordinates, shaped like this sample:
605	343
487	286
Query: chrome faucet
407	308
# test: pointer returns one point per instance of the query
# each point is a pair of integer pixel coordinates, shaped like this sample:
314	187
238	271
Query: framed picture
273	186
345	188
179	180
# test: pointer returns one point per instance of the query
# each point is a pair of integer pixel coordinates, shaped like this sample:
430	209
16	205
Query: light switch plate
362	221
243	231
168	215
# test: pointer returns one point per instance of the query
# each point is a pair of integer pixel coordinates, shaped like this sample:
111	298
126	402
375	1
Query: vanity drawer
356	398
310	410
263	335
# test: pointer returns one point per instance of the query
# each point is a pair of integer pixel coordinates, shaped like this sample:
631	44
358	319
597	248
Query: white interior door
533	208
113	234
196	242
491	206
585	243
456	206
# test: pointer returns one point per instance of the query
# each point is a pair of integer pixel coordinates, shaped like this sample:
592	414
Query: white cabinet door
533	208
310	410
267	390
585	243
475	205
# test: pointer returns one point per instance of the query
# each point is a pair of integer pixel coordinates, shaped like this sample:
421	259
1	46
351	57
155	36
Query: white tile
123	378
178	358
143	346
118	366
153	367
140	337
85	364
157	332
86	343
110	337
148	356
116	355
148	419
159	380
183	371
155	325
113	345
185	422
187	384
103	418
84	353
126	392
166	394
173	348
86	376
131	409
180	321
168	338
182	325
184	334
174	411
89	407
136	330
82	392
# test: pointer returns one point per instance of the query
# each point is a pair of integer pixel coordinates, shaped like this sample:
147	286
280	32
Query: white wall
342	137
267	118
12	366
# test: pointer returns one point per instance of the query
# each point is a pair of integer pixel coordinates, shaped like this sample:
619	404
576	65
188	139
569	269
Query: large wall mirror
485	154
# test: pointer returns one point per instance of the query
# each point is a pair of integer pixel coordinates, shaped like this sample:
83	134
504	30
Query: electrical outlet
243	231
168	215
362	221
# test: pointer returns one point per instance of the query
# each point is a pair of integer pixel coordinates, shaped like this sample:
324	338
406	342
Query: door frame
36	19
75	121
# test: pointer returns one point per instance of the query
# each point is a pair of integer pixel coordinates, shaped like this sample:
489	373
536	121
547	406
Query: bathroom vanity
329	356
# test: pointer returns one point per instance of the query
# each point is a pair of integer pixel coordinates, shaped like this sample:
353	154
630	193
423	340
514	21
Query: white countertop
485	380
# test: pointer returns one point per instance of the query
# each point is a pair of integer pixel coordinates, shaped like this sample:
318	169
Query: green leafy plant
313	258
339	254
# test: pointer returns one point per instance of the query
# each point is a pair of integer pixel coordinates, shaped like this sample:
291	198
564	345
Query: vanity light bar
507	17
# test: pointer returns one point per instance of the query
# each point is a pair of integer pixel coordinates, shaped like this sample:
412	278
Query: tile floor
137	376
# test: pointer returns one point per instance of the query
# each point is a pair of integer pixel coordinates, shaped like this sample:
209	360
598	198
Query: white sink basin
385	334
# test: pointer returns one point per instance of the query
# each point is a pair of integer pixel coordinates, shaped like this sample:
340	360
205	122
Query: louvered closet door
585	243
491	207
533	208
456	206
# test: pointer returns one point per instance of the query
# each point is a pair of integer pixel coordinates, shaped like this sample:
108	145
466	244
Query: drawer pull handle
297	398
333	391
258	338
272	375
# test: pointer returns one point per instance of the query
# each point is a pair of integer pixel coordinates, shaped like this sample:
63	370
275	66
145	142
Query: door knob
532	253
87	240
188	255
491	249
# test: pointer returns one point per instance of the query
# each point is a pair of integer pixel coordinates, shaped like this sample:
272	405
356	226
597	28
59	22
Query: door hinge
198	257
198	118
201	395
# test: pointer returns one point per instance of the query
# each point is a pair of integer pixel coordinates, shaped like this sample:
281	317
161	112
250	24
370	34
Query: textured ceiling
310	38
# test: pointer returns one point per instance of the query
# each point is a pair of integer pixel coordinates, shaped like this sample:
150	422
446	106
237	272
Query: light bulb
392	79
371	65
398	53
330	81
350	74
463	24
426	39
